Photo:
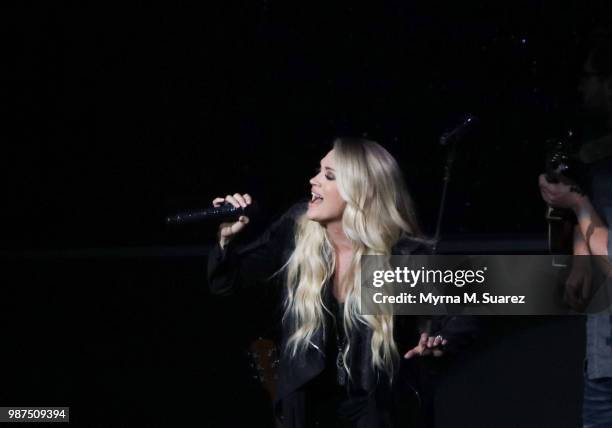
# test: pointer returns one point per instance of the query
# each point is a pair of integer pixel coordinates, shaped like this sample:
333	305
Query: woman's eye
330	176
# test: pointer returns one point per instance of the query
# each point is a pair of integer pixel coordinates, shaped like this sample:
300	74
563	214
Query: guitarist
593	221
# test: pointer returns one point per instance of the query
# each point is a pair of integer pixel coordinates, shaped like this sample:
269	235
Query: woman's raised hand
428	345
228	230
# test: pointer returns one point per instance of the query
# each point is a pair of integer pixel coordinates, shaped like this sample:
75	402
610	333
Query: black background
119	115
115	115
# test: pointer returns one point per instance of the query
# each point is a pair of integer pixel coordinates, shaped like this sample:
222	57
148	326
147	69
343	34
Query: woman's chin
312	213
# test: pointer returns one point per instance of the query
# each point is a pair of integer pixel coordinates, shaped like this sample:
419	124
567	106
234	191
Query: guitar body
562	166
560	231
263	354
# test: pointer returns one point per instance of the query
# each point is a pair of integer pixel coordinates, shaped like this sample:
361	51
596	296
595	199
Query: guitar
562	166
263	356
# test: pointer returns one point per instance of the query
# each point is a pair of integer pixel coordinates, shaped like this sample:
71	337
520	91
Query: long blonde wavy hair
378	212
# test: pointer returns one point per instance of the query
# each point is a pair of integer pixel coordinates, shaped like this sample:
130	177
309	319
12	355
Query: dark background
117	115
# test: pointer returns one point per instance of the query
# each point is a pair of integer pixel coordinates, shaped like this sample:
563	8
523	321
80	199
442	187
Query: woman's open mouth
315	199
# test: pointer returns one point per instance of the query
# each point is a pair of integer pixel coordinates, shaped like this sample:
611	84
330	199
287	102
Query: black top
314	372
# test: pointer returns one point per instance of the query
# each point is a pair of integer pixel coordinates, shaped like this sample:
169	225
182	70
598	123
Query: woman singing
336	365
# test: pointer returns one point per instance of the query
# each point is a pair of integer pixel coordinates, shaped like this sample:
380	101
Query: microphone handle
226	212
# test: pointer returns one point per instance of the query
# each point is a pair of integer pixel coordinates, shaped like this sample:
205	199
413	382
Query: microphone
459	131
225	212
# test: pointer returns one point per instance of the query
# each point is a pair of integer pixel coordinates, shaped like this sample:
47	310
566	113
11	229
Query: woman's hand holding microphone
228	230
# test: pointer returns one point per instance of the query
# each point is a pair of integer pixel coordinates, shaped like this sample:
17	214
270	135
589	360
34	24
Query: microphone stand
448	167
451	138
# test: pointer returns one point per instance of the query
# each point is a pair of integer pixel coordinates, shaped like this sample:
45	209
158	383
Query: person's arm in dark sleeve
443	335
460	331
242	266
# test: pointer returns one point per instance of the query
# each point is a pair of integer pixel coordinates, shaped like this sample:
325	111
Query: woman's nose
314	181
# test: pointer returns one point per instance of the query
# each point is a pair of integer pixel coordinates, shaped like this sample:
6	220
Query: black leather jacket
237	267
